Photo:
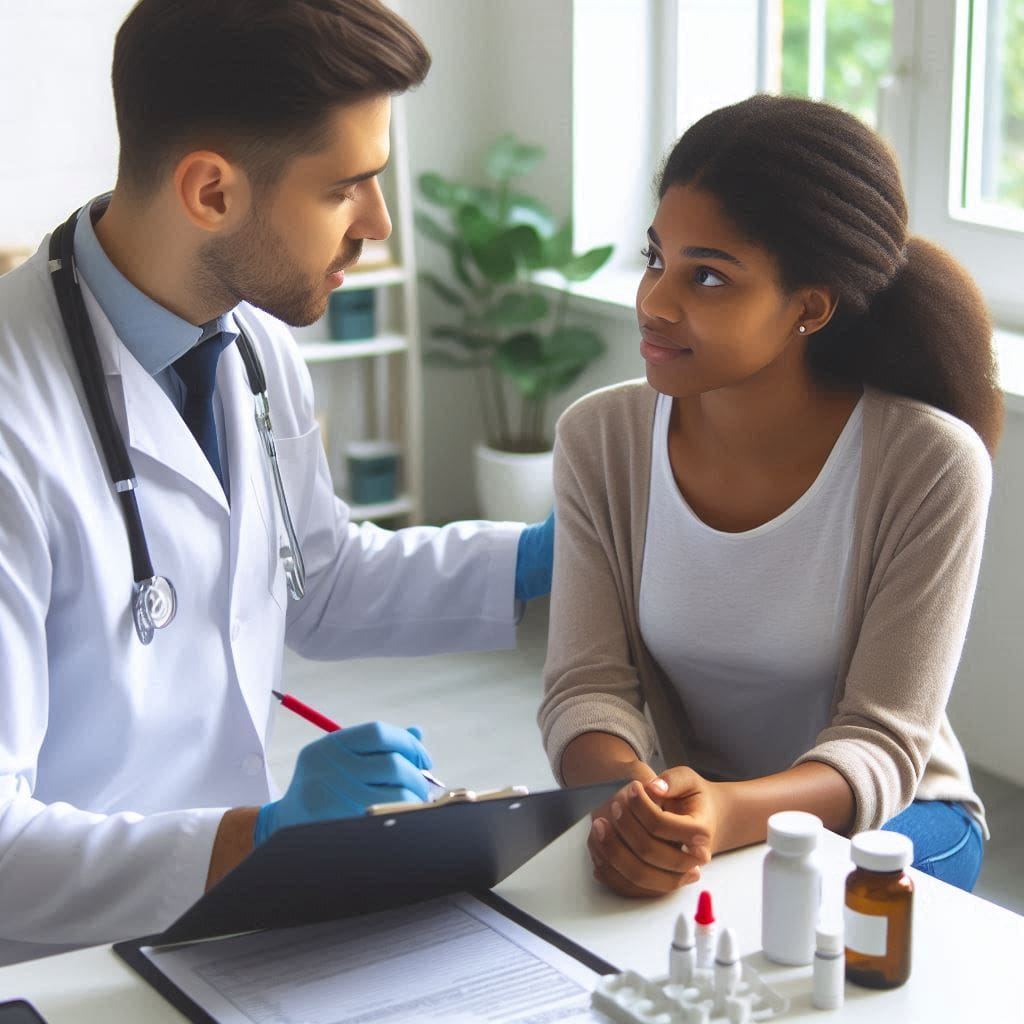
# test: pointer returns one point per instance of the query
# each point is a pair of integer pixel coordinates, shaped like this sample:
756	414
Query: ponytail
928	335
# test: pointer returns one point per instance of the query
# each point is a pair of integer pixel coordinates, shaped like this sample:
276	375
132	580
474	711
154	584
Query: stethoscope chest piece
154	603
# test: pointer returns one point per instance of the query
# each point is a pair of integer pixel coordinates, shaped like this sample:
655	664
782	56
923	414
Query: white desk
967	952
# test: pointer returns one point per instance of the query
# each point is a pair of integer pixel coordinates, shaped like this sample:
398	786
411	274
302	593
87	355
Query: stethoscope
154	599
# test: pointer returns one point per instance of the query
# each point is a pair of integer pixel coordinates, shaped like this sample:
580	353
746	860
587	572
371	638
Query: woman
767	553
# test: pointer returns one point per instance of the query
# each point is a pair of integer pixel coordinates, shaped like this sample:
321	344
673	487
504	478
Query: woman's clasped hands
655	834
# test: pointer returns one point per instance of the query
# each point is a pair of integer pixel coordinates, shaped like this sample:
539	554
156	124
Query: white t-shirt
747	625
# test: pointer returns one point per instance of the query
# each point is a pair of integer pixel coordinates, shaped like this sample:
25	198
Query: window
943	80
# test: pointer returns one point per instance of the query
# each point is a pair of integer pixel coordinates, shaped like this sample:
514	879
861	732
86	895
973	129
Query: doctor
133	749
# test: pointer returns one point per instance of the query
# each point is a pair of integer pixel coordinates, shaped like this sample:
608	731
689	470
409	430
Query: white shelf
401	506
330	351
378	278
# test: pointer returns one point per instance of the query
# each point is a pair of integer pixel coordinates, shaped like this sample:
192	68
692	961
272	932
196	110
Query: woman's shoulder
629	403
905	433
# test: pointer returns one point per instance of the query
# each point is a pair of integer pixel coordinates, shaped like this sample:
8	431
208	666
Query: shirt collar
154	335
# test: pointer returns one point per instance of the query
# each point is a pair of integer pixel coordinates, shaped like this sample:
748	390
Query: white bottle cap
880	850
683	938
828	938
728	951
793	832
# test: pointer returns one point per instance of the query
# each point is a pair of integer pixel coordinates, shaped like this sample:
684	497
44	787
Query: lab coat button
252	764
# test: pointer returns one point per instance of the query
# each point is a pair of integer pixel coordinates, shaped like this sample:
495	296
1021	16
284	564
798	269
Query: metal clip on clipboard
452	796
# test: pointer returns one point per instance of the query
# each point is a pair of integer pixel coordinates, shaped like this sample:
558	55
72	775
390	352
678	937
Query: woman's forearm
812	786
601	757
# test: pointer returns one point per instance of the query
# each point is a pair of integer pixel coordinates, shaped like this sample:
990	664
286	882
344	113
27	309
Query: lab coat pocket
297	459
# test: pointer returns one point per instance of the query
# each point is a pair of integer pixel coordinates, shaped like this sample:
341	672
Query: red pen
328	725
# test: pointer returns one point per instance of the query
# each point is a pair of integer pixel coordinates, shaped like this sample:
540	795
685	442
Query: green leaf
441	290
465	337
558	248
521	359
581	268
435	189
452	194
460	256
431	229
517	308
500	258
573	346
474	226
524	209
508	158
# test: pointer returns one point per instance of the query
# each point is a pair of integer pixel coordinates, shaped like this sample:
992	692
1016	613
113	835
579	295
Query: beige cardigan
923	497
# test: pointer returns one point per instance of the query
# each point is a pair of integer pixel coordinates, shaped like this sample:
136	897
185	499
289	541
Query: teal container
350	314
372	471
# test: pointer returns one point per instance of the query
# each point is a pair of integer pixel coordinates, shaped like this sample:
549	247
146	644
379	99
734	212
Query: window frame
916	113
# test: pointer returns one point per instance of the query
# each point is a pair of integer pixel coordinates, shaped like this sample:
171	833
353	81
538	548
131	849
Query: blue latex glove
534	556
340	774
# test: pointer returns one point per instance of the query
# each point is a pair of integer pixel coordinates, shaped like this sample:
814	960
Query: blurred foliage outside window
857	46
856	60
1002	173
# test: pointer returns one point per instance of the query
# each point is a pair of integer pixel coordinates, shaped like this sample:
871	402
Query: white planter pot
512	486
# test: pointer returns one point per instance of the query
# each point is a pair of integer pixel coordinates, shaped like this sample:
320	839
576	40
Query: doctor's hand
534	558
656	835
340	774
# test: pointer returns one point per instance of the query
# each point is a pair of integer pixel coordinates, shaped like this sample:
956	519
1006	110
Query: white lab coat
117	760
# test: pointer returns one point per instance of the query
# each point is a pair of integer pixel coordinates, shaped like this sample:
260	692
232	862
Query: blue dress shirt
155	336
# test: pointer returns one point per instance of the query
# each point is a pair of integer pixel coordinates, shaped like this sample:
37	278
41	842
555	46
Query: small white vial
728	969
682	954
829	967
791	894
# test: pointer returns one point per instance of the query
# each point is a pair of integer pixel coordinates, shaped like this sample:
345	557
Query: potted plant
507	328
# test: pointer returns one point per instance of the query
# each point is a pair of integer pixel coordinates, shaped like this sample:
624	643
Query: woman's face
710	309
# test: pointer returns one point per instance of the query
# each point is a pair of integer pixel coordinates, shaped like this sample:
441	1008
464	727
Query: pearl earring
802	329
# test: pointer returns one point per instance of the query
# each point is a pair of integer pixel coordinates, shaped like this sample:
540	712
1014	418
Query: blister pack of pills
630	998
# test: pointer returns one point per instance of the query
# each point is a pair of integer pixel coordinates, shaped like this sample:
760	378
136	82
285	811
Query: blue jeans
947	841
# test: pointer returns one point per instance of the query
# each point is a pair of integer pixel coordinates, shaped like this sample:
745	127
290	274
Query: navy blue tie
197	369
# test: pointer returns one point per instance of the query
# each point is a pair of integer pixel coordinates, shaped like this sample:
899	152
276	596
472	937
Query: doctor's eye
652	257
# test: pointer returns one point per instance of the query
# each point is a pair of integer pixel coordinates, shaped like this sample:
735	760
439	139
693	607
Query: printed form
453	959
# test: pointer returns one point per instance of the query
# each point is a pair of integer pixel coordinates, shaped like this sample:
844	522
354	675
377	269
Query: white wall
58	141
987	707
499	66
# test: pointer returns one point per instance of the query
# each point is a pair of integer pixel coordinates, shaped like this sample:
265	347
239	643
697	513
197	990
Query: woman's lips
657	350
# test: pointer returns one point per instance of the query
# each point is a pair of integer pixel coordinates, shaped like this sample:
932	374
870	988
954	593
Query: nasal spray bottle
705	919
682	956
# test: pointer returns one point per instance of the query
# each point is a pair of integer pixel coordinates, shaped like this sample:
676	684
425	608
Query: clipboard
334	869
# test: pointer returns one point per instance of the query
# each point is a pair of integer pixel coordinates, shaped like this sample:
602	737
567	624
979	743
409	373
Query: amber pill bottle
879	910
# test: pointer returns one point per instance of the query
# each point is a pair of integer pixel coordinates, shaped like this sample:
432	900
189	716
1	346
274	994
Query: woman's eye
708	278
653	259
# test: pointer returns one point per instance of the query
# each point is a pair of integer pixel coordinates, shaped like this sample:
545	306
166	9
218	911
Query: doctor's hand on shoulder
534	558
342	773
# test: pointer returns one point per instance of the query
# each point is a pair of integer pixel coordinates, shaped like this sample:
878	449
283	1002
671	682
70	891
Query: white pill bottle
791	896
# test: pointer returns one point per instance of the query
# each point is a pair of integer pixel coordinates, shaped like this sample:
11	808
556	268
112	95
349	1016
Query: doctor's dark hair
821	193
255	80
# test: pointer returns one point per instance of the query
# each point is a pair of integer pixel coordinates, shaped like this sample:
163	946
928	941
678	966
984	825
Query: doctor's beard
252	266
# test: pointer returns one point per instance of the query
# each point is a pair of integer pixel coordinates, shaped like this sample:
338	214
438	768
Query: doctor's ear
214	193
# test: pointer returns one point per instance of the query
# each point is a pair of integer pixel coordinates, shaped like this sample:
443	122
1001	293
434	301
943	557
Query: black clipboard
333	869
